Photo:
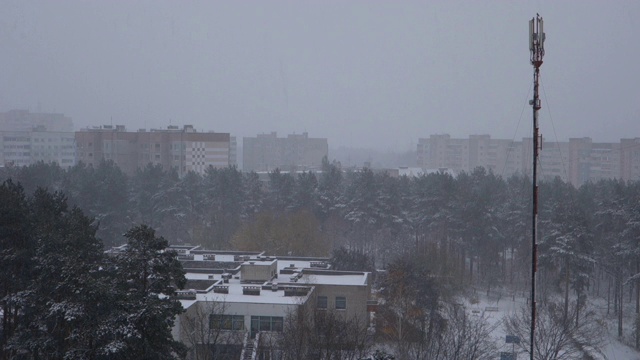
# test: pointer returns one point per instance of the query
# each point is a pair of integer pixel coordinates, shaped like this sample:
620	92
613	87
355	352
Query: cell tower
536	48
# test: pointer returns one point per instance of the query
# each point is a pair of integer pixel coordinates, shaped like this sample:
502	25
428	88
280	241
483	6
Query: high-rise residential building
578	161
589	161
24	120
181	149
268	152
53	146
554	160
233	151
443	152
630	159
27	138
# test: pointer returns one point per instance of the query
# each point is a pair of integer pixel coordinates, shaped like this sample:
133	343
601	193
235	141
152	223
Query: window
227	322
322	302
266	323
341	302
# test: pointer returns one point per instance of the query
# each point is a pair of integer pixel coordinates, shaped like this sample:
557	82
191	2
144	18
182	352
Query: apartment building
24	120
53	147
630	159
233	151
267	152
578	160
181	149
27	138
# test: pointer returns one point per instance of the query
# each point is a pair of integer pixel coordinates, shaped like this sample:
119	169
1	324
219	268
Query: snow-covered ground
494	311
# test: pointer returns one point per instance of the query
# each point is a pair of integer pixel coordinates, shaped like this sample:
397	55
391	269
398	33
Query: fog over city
375	74
337	180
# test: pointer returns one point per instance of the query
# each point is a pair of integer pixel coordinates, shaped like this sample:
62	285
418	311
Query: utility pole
536	48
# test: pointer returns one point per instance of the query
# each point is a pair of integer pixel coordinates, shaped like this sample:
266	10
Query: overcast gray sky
377	74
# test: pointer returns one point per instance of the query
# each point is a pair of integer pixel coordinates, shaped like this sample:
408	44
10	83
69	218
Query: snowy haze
375	74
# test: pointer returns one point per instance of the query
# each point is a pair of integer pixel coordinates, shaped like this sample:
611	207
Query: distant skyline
374	74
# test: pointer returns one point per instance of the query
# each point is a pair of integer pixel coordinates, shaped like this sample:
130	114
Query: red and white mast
536	48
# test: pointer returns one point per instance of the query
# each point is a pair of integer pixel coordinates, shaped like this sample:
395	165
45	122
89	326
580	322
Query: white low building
233	298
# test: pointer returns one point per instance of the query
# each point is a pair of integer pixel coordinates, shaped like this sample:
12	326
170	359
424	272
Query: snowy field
495	310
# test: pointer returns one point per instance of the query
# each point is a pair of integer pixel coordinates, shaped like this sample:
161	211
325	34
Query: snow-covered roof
330	278
221	270
266	296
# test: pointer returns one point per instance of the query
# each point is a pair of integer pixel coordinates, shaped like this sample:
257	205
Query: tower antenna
536	49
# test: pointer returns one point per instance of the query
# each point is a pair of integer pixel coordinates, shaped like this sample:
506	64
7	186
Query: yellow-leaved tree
295	234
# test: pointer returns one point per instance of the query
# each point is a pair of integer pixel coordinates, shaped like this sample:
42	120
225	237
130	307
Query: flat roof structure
257	291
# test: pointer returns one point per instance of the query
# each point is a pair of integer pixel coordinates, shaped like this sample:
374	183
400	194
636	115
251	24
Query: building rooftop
334	278
257	279
266	296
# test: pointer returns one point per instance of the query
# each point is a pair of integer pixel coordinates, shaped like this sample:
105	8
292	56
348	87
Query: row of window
226	322
50	147
265	323
146	146
53	139
236	322
37	154
322	302
146	156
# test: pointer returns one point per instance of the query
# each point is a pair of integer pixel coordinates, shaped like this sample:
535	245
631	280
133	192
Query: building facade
267	152
24	120
247	297
630	159
183	149
577	161
233	151
27	138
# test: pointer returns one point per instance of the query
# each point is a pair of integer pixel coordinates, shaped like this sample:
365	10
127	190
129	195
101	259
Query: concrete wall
357	297
246	309
258	270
